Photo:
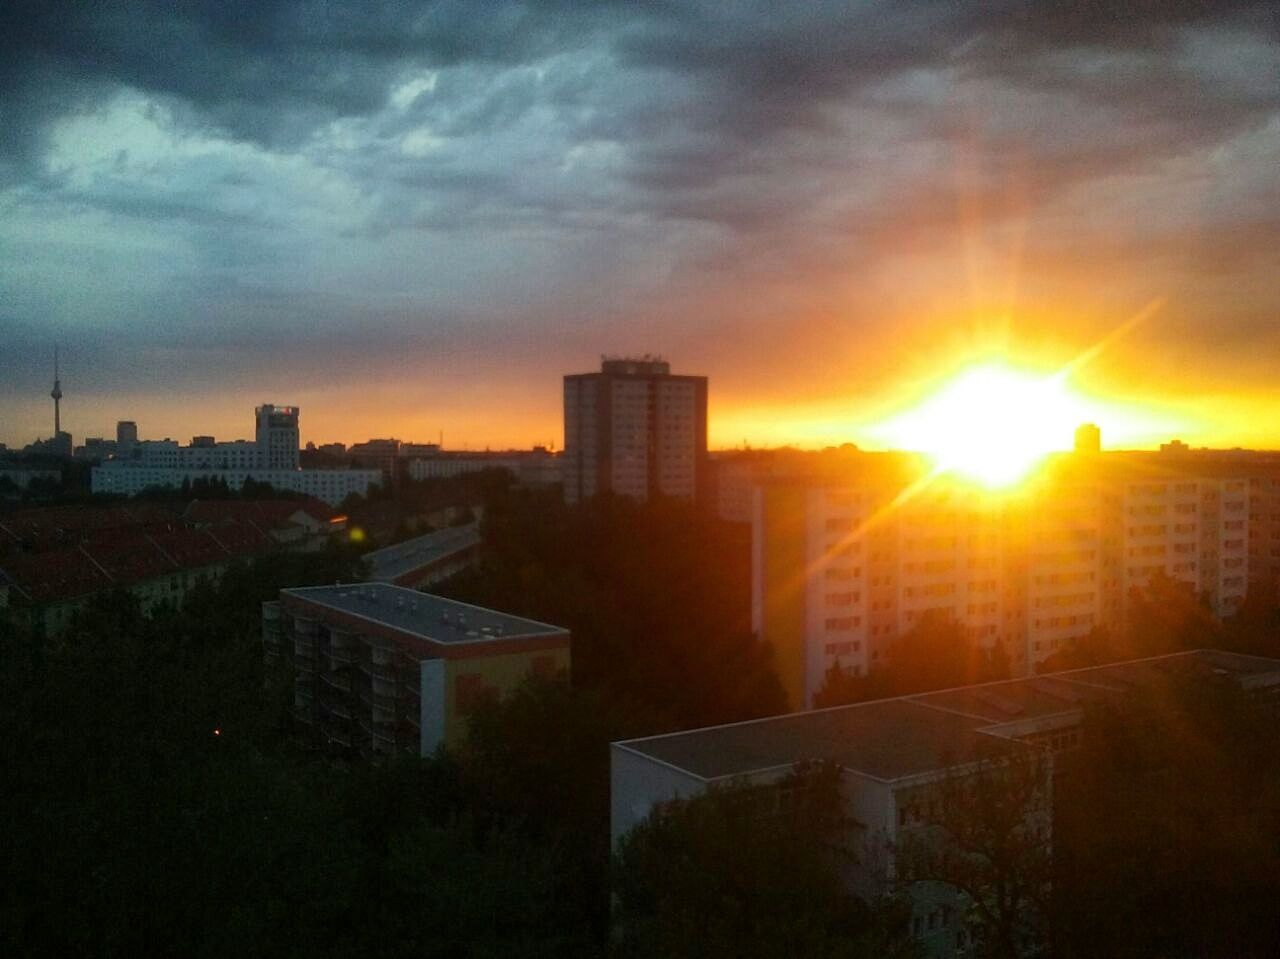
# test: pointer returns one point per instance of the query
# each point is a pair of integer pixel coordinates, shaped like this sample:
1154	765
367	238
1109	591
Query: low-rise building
331	486
426	559
380	669
895	755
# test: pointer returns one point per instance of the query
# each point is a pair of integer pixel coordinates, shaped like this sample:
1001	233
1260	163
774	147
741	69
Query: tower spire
56	393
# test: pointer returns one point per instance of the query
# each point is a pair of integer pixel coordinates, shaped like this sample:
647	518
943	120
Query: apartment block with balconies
380	669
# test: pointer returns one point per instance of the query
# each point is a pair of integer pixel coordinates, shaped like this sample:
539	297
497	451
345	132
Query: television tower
56	393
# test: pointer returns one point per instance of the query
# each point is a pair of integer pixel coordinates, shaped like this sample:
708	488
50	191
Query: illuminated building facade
846	560
636	430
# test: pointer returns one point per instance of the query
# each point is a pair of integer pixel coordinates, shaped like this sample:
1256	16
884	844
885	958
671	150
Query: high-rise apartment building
847	559
636	430
277	437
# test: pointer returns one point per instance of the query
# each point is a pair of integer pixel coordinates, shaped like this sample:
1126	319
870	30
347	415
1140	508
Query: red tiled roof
130	560
60	574
267	514
54	575
188	548
240	538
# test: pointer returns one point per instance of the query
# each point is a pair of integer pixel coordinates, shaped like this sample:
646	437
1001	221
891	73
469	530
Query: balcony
380	673
336	681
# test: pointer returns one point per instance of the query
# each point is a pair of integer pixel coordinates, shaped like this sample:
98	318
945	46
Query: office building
380	669
635	429
277	437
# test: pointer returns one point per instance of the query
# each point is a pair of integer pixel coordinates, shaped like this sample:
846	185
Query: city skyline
930	423
422	219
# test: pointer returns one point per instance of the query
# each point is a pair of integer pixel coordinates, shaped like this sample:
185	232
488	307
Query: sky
414	218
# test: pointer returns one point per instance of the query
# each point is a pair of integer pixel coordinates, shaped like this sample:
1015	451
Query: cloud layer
228	202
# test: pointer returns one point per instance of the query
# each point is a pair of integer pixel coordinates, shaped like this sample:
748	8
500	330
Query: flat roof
394	561
422	615
891	739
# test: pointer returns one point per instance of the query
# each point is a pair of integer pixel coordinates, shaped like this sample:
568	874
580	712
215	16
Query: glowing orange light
991	423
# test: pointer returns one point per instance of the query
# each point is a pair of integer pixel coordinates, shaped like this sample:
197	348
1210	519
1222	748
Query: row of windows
843	622
843	649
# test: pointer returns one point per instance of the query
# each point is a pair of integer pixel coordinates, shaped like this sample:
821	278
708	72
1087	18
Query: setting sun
991	423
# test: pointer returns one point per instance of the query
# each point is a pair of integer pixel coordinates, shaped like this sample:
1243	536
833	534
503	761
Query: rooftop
394	561
891	739
422	615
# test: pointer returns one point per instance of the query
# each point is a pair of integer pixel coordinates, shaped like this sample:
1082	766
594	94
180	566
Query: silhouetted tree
747	870
657	596
984	831
936	653
1167	823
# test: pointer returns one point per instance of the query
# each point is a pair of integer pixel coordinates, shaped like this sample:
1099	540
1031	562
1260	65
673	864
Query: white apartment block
636	430
893	756
331	486
271	458
167	454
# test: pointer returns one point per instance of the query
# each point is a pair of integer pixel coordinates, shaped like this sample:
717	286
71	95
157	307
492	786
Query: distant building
126	438
330	486
381	669
1088	438
535	467
96	448
165	464
379	454
277	437
636	430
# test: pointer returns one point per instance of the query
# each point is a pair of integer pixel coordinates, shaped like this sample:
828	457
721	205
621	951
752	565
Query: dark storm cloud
277	168
268	70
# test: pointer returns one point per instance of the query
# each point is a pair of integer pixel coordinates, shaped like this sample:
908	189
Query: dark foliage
936	654
1167	827
657	596
748	870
